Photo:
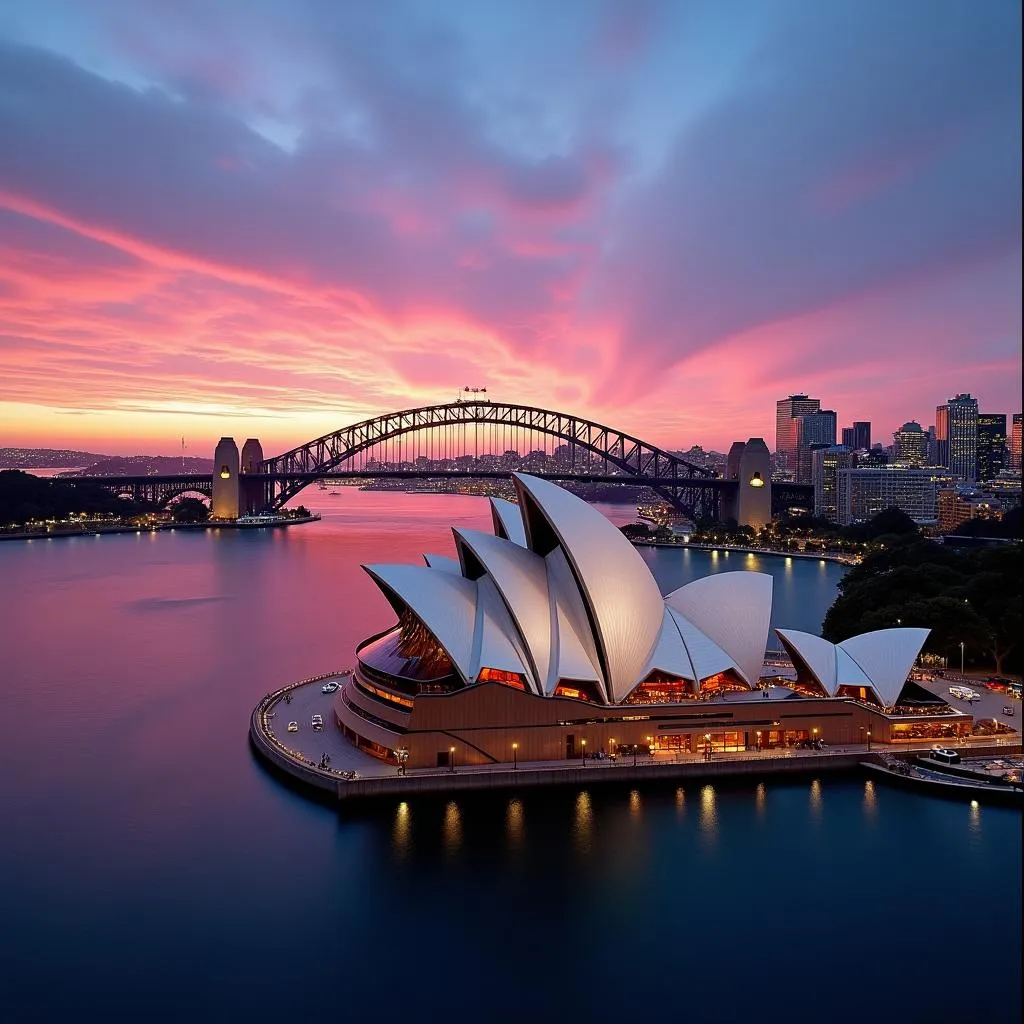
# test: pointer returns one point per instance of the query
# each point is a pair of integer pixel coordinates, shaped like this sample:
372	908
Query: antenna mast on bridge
472	391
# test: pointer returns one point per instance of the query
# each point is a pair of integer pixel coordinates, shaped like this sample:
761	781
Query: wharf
300	754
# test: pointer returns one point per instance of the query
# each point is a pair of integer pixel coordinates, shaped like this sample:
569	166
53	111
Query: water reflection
759	799
514	824
451	831
401	832
816	801
635	806
583	824
870	800
680	803
974	821
708	812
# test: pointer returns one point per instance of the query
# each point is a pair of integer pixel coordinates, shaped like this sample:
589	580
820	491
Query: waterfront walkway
300	754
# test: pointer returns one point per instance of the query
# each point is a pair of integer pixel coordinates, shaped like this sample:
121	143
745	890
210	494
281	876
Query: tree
635	531
994	593
190	510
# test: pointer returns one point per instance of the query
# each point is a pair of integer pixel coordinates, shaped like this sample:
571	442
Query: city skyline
277	221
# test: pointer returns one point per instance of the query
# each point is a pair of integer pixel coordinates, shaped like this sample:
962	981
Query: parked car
293	726
1008	710
329	687
317	722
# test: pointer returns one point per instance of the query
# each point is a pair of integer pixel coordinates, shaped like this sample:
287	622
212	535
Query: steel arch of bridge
687	485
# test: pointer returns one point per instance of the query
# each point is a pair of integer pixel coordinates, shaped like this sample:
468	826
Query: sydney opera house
550	639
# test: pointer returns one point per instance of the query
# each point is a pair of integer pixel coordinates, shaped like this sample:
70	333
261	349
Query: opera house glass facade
549	639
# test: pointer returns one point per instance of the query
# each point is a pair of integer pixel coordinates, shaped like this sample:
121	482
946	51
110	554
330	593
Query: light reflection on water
514	824
760	799
974	822
816	801
635	806
680	803
452	828
708	812
870	802
401	832
583	824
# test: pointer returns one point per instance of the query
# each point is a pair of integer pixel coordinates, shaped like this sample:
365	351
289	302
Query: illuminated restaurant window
577	690
722	681
661	688
497	675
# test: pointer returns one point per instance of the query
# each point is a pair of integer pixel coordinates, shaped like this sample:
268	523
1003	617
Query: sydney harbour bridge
462	440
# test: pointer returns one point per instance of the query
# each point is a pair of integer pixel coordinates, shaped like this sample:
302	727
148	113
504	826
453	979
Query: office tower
787	412
846	438
1014	445
813	430
932	456
825	466
991	445
956	508
863	492
861	435
910	444
940	456
956	424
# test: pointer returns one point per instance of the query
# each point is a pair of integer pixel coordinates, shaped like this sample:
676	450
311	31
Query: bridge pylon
226	489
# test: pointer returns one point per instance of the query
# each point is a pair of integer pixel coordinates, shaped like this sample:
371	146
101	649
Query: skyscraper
956	423
813	430
846	437
787	412
861	435
941	454
991	457
910	445
1014	445
825	466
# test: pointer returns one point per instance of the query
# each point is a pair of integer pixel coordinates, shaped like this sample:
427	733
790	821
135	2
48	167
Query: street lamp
636	748
707	746
584	743
515	756
451	759
869	739
961	657
814	738
650	746
758	739
611	745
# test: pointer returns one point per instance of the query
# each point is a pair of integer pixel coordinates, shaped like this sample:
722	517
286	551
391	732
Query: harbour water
151	868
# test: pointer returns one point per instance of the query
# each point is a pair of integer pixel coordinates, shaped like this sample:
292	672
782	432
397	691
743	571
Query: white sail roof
508	522
886	657
624	602
494	637
848	672
521	579
818	655
707	658
670	654
443	602
573	652
733	609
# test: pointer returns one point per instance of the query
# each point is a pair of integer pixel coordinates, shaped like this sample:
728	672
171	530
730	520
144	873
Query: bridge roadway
161	489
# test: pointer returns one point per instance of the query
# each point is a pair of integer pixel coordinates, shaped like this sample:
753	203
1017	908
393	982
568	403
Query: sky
273	218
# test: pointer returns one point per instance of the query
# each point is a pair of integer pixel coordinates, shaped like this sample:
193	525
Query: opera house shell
552	630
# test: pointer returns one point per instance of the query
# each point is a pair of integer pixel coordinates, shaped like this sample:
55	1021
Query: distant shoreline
847	560
97	531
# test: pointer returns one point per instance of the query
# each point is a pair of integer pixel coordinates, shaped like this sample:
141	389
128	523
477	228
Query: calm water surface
151	869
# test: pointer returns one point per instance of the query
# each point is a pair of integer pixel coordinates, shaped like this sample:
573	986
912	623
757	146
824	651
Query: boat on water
932	781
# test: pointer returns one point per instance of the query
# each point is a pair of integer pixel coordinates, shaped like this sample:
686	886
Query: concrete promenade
300	755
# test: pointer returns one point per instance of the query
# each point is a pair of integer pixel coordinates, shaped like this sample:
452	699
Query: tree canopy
970	597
